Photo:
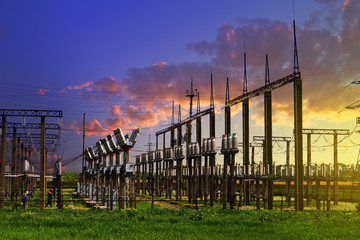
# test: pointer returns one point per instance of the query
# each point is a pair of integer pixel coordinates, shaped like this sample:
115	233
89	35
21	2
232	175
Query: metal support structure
13	166
2	163
308	171
335	133
268	140
42	164
48	126
246	136
288	181
197	162
299	167
212	158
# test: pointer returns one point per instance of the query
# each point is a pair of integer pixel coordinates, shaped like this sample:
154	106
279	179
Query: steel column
42	164
246	159
268	149
299	168
336	171
212	159
226	157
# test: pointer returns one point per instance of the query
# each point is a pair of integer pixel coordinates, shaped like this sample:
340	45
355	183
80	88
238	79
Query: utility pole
83	158
83	150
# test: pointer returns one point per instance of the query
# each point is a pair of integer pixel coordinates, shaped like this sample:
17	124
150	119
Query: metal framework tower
268	138
246	142
299	168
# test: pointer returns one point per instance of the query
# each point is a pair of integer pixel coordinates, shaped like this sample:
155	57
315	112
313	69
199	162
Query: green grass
208	223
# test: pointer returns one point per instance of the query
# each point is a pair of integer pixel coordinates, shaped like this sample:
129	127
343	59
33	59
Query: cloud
42	91
329	51
137	116
102	89
92	128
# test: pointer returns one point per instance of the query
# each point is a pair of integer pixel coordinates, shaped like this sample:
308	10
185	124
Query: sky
124	62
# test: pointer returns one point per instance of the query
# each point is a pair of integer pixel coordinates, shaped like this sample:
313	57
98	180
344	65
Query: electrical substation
190	171
200	172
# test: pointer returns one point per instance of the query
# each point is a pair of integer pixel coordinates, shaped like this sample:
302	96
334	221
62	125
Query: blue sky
122	62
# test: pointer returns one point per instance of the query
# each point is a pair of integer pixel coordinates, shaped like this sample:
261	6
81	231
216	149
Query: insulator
171	153
134	135
196	149
111	142
120	138
100	148
87	154
138	159
229	141
235	143
143	157
182	151
208	145
106	145
150	156
213	145
224	142
204	146
192	150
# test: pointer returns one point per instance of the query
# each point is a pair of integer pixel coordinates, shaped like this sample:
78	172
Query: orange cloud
136	116
92	128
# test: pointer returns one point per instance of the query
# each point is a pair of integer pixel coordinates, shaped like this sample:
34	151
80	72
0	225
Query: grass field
172	220
183	223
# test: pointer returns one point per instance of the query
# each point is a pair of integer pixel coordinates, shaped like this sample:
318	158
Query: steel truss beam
30	113
278	139
37	142
33	135
51	126
267	88
326	131
185	121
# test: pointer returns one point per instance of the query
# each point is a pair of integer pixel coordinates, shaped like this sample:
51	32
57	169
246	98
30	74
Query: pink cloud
328	45
159	64
84	85
42	91
102	89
